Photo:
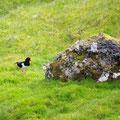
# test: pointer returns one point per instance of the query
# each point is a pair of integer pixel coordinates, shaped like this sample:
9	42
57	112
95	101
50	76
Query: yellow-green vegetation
40	29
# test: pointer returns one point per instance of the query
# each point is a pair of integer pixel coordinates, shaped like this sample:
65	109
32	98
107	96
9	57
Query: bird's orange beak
31	60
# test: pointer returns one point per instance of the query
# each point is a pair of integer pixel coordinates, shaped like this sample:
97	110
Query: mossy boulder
98	57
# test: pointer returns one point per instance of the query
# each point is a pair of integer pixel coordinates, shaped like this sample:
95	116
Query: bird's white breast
23	66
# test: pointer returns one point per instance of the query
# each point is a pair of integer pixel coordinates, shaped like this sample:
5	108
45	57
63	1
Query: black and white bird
24	64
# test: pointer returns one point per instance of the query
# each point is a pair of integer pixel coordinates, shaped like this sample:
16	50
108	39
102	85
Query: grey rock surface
98	56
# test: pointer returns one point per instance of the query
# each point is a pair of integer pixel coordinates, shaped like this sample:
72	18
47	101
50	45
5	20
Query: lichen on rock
98	56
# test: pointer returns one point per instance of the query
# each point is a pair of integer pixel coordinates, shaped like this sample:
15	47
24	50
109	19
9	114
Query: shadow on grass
86	83
3	115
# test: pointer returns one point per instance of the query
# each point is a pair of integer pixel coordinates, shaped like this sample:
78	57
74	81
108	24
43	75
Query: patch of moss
100	37
55	69
81	57
71	53
108	37
116	69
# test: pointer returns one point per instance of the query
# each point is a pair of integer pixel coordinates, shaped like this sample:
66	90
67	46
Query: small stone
81	65
115	75
101	33
104	77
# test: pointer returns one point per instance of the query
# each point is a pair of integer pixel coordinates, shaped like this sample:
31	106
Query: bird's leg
24	71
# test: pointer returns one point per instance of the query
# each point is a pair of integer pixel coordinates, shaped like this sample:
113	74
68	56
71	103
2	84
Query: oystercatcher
24	64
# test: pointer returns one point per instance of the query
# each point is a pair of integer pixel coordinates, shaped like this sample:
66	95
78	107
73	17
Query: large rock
98	57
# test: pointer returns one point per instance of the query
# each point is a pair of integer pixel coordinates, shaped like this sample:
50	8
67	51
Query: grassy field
40	29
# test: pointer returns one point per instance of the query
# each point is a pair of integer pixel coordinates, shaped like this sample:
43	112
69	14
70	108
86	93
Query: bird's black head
28	59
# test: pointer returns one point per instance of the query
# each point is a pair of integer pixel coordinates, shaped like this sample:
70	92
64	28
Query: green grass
41	29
